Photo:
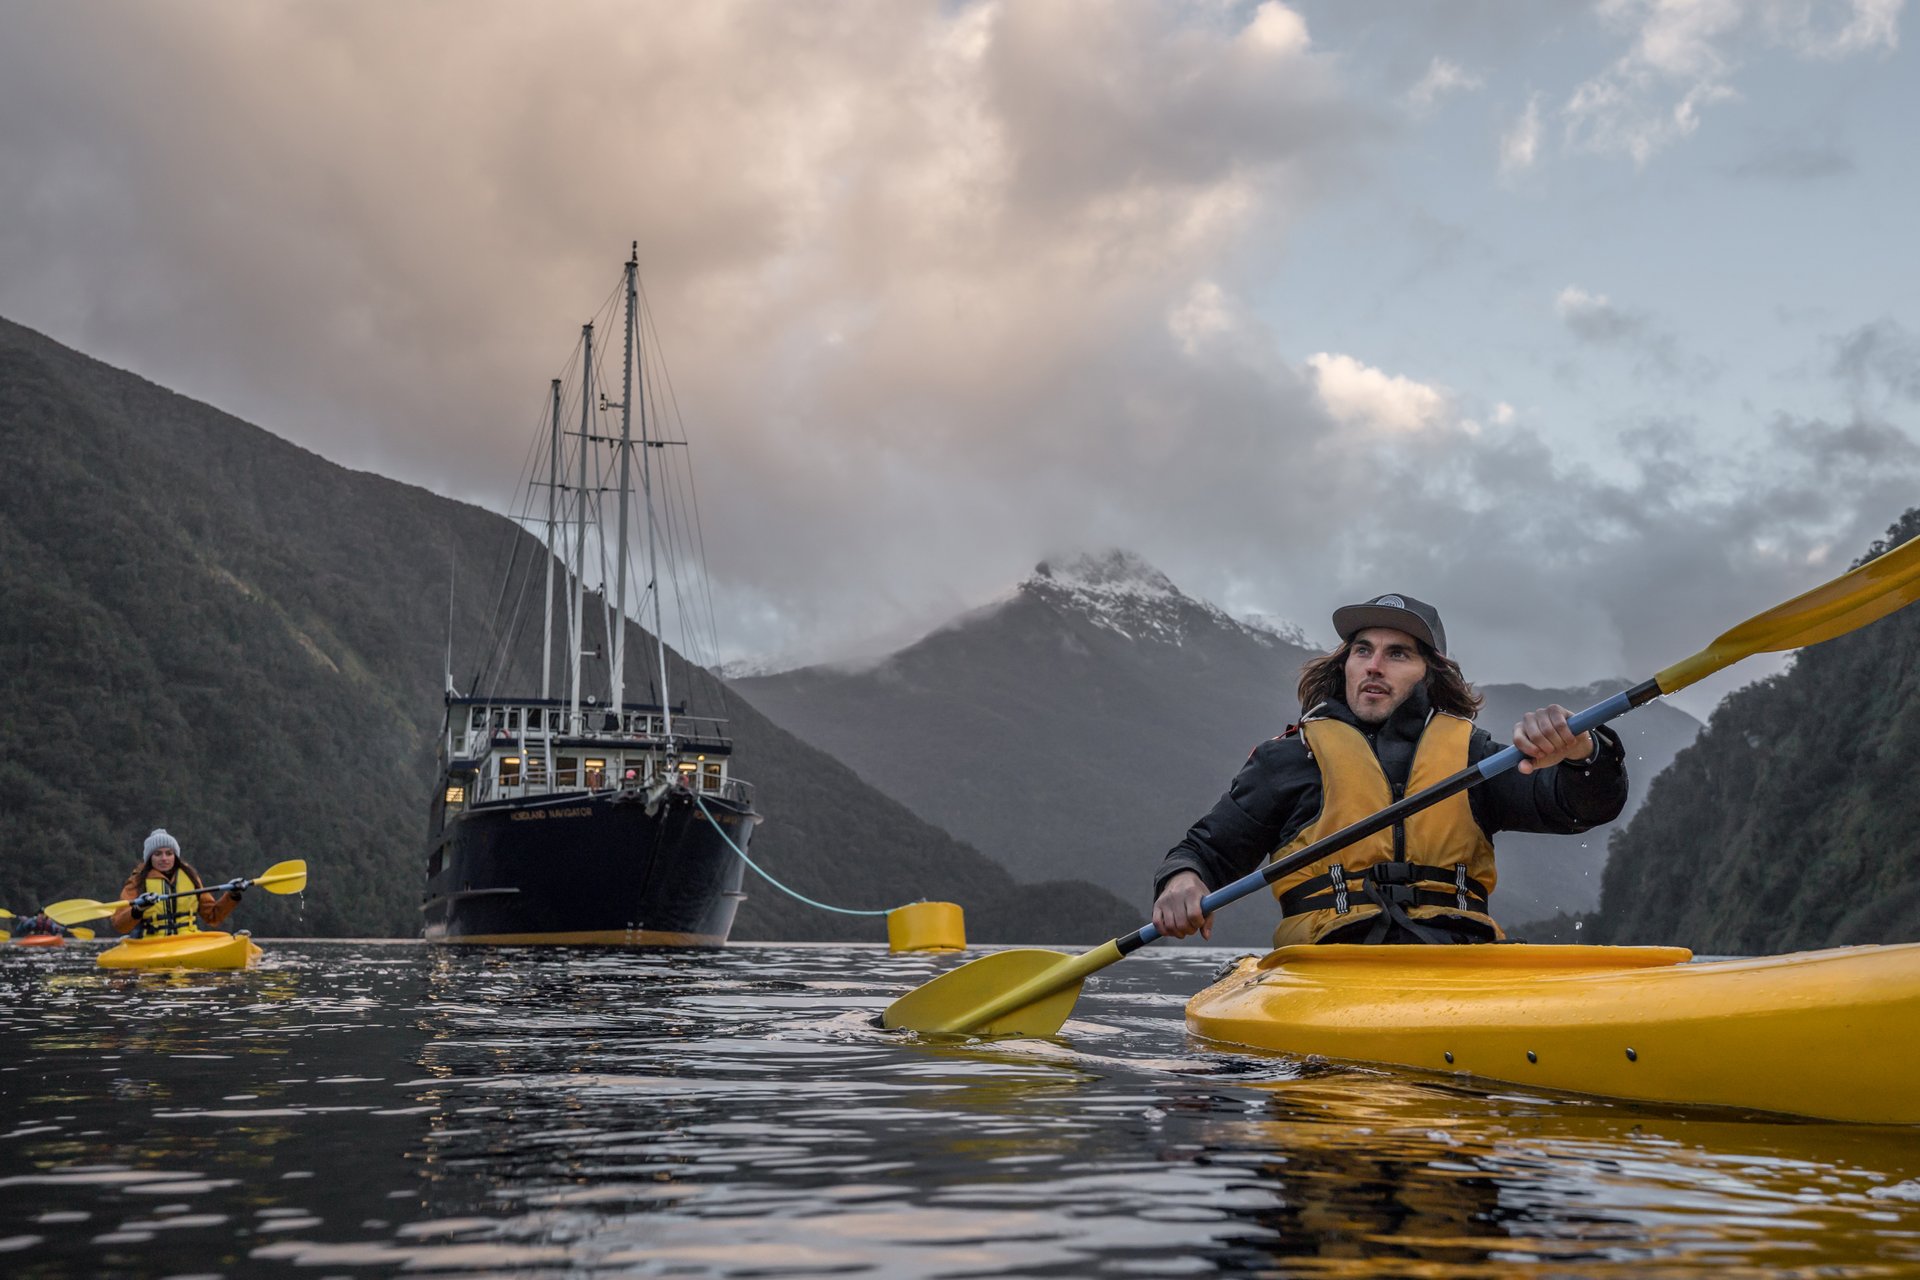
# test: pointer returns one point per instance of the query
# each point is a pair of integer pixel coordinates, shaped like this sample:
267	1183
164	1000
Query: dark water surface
368	1109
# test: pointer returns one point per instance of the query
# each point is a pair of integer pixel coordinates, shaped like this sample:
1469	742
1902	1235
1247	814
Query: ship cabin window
553	722
710	775
596	774
630	776
513	719
566	771
456	795
509	771
478	720
499	718
458	743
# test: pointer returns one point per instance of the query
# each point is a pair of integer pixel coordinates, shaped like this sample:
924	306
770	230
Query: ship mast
553	484
580	540
653	529
626	483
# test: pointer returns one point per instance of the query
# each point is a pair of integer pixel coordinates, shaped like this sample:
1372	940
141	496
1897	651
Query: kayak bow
1826	1034
200	949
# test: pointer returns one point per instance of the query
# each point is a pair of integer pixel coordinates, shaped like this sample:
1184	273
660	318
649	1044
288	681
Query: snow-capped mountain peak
1111	572
1121	592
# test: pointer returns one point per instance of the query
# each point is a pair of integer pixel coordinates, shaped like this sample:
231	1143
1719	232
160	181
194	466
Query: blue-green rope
792	893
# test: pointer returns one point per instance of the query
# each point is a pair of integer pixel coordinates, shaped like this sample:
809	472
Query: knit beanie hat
159	840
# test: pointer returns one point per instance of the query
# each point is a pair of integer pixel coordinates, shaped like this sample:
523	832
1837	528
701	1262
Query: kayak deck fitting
200	949
1825	1034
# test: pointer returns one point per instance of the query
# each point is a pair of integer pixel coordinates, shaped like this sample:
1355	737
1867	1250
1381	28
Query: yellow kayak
1828	1034
200	949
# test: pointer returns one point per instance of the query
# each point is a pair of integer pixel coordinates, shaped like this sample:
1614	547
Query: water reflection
1367	1168
369	1110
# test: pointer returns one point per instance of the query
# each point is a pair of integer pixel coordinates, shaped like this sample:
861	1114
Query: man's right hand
1176	913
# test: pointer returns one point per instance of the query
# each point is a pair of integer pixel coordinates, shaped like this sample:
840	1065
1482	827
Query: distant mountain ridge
210	629
1080	722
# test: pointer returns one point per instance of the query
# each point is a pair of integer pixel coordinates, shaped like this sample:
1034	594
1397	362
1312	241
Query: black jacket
1277	793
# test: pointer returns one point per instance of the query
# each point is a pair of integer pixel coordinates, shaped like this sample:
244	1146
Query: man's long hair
1324	679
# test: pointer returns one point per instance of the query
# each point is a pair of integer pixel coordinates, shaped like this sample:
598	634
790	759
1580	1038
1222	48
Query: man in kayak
39	926
151	908
1388	714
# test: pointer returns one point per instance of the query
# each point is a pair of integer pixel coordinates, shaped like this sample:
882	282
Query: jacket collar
1407	722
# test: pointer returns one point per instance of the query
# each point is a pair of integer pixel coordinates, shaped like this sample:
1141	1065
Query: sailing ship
578	816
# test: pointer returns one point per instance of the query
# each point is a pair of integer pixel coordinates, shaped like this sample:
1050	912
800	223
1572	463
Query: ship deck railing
492	791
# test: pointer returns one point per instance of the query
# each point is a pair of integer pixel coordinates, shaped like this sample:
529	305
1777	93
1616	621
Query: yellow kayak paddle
1030	992
281	877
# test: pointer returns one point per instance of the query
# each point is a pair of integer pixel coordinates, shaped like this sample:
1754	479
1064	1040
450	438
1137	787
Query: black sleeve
1563	800
1275	794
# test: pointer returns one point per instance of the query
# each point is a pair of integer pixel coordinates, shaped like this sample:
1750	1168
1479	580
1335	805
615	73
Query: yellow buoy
927	926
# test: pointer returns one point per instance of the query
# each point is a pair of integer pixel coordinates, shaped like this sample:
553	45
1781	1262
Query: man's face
1383	667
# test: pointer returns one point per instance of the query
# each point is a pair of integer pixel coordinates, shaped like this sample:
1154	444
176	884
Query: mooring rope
792	893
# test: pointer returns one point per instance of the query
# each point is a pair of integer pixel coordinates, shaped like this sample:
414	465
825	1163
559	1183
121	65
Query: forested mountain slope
1794	820
206	628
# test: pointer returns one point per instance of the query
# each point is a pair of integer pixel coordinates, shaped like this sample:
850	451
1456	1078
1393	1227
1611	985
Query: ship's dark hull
588	869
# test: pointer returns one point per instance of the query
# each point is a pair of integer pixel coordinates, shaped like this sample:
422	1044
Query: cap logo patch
1392	602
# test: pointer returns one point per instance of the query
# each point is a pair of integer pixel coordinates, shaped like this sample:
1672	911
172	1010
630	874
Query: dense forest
1793	821
209	629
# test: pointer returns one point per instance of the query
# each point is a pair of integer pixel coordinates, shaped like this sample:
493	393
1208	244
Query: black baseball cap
1403	613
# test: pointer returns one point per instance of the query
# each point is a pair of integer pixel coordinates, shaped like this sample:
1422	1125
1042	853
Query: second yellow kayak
200	949
1827	1034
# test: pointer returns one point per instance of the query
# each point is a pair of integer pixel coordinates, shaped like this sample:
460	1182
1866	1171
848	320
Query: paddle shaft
1497	763
188	893
261	882
1863	594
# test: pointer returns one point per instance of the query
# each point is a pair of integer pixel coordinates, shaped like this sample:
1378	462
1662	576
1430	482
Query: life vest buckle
1393	883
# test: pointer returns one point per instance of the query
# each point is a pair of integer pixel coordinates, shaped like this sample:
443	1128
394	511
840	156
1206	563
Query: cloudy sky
1595	323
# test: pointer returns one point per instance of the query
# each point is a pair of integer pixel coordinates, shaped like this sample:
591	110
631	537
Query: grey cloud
1595	319
1880	354
1787	162
1657	353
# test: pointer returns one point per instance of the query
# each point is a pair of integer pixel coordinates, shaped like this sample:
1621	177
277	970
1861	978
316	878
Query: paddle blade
81	910
1849	602
85	935
953	1001
7	915
283	877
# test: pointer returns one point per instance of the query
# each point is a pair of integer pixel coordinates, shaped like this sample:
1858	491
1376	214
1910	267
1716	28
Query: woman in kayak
1386	715
162	872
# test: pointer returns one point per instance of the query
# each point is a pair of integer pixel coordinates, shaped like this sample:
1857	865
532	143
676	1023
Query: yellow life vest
1442	839
170	915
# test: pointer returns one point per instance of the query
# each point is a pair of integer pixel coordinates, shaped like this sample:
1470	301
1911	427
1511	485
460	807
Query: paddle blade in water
283	877
1849	602
81	910
953	1002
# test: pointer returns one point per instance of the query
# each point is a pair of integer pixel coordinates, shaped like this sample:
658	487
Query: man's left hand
1544	739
